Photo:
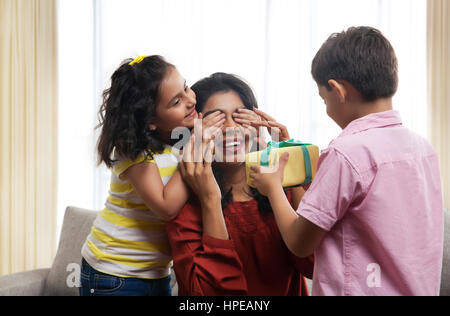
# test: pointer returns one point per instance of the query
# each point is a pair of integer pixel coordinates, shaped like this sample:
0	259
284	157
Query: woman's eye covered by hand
245	117
210	126
215	119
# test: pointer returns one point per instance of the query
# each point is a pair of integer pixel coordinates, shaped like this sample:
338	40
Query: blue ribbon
290	143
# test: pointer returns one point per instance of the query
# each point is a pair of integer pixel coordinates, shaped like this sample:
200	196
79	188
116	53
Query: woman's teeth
232	144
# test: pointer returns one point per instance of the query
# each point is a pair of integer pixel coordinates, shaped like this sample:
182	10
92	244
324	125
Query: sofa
61	279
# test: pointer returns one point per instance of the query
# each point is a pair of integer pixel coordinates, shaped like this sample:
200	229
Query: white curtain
28	134
439	85
270	43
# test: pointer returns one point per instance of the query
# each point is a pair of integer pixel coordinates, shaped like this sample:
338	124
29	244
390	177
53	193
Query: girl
127	252
225	241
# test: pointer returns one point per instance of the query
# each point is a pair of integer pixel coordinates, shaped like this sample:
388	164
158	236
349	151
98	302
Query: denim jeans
95	283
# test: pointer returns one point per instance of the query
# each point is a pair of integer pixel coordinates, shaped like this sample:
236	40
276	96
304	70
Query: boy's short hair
363	57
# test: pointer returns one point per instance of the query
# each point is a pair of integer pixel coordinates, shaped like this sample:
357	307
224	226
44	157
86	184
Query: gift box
300	169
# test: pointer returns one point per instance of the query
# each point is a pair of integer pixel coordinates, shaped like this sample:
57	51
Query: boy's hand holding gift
268	180
290	162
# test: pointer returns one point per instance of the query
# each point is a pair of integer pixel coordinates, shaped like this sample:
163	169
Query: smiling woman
225	240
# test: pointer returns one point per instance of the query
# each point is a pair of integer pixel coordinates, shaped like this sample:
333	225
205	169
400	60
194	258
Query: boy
374	214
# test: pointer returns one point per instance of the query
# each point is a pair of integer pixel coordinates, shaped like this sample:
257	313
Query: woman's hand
196	168
197	171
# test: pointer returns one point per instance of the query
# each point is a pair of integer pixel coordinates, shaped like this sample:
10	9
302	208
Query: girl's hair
222	83
129	107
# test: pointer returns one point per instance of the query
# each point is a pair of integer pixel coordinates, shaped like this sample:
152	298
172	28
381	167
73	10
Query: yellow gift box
300	169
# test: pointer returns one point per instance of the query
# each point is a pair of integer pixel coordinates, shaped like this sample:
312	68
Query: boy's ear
339	89
152	127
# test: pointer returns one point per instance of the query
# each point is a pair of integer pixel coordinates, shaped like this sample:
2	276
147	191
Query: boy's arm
300	235
336	186
297	196
164	201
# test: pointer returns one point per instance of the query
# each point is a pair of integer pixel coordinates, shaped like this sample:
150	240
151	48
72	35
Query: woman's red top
254	262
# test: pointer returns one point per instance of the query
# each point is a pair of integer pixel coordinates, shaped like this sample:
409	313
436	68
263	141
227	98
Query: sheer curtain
28	129
270	43
439	85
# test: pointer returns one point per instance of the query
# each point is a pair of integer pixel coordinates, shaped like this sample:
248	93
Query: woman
225	241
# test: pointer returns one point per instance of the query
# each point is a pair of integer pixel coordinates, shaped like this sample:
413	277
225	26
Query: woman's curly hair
129	107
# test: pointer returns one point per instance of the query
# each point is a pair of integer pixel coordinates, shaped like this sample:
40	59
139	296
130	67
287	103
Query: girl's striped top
127	239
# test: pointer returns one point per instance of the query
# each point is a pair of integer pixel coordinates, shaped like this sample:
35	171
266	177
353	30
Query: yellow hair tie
137	60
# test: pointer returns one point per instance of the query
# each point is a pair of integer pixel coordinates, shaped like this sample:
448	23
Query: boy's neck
364	108
377	106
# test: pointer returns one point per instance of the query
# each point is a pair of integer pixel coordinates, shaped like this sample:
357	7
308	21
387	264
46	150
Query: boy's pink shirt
378	195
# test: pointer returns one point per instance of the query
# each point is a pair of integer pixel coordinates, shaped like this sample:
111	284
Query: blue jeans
95	283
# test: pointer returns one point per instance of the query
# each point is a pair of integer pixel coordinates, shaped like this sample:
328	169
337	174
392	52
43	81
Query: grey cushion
76	227
30	283
445	280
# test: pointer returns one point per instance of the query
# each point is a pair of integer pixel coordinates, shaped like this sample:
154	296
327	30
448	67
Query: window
269	43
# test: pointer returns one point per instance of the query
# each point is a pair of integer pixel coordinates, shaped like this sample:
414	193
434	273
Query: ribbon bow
290	143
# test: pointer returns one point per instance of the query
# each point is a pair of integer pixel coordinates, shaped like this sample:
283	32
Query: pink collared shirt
378	195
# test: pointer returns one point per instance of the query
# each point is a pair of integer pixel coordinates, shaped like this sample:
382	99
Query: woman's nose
230	123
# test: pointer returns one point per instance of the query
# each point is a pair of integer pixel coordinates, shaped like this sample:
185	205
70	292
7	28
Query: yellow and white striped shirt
128	239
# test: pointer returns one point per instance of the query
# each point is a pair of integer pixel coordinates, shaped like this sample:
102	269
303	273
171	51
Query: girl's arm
164	201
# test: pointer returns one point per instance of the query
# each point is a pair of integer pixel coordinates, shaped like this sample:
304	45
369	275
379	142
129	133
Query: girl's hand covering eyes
272	126
211	125
245	117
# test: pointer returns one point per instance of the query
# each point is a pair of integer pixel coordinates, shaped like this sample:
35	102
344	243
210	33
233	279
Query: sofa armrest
30	283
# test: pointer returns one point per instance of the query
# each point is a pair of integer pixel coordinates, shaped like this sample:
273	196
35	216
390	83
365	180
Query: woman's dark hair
363	57
129	107
222	83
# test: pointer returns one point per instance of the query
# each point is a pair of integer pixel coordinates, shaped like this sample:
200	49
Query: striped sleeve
122	166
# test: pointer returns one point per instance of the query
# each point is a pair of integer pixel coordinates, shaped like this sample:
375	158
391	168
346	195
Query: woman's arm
205	260
204	265
200	177
213	221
